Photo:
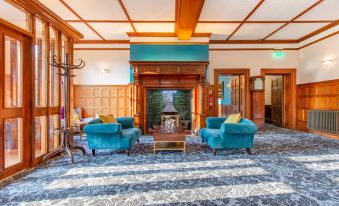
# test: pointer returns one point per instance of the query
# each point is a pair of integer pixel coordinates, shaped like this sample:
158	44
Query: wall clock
258	84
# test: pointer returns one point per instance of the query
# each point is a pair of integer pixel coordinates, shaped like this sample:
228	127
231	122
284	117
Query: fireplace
169	104
153	80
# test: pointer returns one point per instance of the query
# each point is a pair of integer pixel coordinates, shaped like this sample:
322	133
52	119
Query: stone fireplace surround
168	75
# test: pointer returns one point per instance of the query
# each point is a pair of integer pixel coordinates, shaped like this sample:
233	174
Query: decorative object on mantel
66	131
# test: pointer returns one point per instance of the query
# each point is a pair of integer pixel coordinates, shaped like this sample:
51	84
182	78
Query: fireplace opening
164	105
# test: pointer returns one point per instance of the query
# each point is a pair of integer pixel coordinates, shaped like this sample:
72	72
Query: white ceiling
219	17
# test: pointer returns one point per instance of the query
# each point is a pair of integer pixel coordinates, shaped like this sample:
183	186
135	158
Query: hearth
169	106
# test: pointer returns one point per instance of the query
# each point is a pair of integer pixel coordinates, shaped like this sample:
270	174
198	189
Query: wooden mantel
168	75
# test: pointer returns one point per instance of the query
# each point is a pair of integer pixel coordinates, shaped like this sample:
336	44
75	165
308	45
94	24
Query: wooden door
15	115
277	98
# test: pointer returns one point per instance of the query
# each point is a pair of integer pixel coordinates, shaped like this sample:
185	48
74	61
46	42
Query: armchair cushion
104	128
126	122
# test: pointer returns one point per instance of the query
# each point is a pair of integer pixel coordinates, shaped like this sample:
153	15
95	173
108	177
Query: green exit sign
278	53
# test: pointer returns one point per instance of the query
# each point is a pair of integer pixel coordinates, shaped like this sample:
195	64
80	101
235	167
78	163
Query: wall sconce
103	69
327	63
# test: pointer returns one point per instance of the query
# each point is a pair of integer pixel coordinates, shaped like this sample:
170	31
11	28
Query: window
40	139
15	15
13	72
13	141
53	72
40	69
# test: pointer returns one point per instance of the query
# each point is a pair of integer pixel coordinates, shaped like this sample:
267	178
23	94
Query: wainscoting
318	95
102	99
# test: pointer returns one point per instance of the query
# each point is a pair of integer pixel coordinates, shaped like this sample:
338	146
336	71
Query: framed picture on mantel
257	84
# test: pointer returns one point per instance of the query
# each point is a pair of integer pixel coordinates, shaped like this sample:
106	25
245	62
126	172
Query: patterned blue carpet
286	168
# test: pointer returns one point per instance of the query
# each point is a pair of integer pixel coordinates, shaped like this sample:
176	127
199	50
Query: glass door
13	101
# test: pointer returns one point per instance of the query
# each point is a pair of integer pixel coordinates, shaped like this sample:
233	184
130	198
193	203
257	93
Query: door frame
25	111
233	71
290	93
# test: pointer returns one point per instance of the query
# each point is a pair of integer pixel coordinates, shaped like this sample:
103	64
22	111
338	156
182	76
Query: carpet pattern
286	168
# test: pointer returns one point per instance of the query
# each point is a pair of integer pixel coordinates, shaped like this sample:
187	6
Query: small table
165	139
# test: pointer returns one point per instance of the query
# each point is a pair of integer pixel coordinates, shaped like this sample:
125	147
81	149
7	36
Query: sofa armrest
214	122
104	128
126	122
238	128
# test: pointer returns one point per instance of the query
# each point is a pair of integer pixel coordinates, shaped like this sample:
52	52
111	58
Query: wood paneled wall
318	95
102	99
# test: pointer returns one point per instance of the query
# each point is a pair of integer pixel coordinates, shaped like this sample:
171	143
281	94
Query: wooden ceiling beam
322	29
187	16
163	34
83	21
102	42
127	15
253	41
247	17
299	15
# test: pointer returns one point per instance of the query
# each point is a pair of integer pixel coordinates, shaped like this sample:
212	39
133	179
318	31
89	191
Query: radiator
323	120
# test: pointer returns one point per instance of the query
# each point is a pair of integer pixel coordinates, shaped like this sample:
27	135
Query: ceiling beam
299	15
247	17
127	15
187	16
82	20
253	41
163	34
328	26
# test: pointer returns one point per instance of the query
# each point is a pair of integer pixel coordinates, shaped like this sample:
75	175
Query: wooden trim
322	29
333	81
101	85
329	135
187	16
14	27
102	49
247	17
126	14
145	42
290	41
122	21
161	63
83	21
36	7
102	42
299	15
265	22
248	49
292	103
239	71
318	40
163	34
201	21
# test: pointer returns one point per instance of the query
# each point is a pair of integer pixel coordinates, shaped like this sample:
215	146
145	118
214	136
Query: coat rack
66	131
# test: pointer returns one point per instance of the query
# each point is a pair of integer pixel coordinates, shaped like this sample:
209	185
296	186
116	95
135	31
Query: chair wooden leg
128	152
202	140
214	152
93	152
138	141
248	151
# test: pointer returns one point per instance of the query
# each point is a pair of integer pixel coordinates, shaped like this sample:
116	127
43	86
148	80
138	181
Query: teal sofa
219	135
118	136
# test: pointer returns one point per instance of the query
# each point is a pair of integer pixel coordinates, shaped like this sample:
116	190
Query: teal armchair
118	136
219	135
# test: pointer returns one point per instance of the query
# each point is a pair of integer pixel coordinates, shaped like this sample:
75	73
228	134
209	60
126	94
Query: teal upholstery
220	135
117	136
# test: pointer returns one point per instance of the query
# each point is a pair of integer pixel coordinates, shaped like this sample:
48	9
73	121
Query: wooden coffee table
165	139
